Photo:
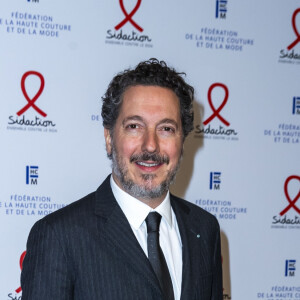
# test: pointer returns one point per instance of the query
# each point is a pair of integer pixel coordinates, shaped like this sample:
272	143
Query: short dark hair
149	73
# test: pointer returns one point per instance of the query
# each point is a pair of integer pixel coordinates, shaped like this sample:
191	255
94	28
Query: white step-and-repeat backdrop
241	162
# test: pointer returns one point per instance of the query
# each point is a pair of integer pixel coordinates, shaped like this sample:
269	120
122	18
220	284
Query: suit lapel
115	228
193	248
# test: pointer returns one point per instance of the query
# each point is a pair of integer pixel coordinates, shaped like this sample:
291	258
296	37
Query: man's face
147	142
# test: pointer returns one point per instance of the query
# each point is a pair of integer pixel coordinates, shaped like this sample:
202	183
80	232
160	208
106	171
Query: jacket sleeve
46	273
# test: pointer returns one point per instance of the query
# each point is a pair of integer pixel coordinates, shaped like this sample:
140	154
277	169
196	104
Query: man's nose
150	142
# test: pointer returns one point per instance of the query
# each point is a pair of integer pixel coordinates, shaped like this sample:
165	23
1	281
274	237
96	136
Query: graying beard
138	191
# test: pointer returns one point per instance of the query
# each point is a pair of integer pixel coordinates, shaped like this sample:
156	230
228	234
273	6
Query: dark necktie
156	256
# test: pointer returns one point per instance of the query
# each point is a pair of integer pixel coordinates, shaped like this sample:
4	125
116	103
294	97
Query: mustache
161	159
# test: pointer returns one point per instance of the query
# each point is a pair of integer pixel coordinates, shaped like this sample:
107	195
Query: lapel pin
197	234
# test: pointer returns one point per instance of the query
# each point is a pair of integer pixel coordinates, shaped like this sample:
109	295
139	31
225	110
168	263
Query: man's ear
107	137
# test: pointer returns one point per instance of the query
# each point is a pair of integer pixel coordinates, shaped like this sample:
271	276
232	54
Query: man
131	239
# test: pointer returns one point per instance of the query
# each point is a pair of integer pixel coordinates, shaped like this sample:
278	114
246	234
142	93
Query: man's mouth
145	164
148	166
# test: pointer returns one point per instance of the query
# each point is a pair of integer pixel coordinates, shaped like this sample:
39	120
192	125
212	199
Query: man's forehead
149	88
140	103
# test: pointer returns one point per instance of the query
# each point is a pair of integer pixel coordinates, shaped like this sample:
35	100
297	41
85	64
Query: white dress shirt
169	236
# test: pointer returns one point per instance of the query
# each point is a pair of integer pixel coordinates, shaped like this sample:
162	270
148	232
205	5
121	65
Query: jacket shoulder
73	212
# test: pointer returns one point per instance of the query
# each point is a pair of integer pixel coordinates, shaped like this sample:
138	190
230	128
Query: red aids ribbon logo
31	102
297	40
18	290
216	112
291	202
128	17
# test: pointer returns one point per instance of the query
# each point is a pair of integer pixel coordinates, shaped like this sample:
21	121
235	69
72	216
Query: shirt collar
137	211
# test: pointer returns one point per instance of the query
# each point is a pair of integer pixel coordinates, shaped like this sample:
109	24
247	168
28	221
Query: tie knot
153	220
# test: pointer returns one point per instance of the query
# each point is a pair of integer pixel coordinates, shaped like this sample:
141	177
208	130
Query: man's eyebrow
139	118
132	118
169	121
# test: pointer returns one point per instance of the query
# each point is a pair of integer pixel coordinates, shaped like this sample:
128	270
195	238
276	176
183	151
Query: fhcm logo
215	180
32	174
290	267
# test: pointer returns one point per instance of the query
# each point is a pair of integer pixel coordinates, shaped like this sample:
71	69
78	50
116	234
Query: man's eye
168	129
132	126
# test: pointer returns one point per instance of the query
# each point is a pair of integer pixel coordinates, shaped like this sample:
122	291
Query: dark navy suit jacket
87	250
